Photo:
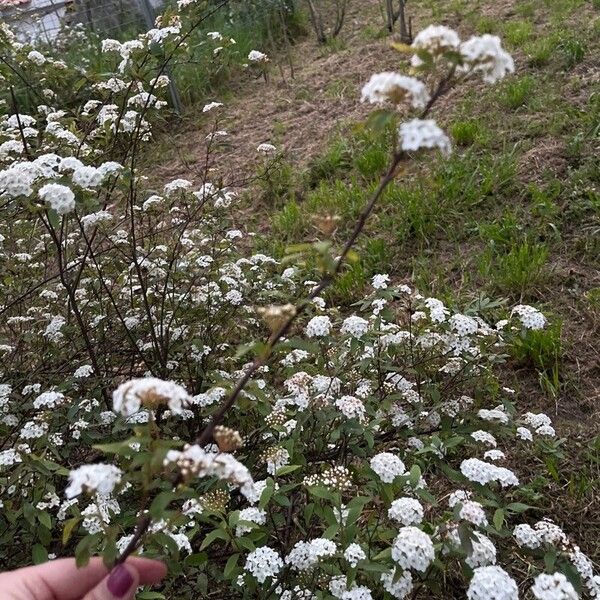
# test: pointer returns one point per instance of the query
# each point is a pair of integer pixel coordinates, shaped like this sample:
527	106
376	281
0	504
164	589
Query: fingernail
119	581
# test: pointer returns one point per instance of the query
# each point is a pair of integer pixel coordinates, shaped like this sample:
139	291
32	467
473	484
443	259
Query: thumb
120	584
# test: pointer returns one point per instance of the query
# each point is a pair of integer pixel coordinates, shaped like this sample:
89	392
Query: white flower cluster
406	511
196	461
492	582
423	133
305	555
59	197
263	562
481	472
150	392
395	89
351	407
319	326
398	587
530	317
98	478
413	549
354	554
387	466
553	587
355	326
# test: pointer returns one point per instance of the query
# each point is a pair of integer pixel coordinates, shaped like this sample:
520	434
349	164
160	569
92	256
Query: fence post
148	14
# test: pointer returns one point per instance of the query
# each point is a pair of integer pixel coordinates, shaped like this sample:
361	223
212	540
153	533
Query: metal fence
41	21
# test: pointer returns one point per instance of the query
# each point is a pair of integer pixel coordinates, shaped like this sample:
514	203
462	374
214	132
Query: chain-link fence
41	21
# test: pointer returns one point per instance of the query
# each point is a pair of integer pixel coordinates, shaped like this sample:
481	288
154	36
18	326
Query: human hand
62	580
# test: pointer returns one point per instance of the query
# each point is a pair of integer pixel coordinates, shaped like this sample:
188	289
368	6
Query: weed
542	349
515	270
540	51
517	33
517	92
466	133
574	51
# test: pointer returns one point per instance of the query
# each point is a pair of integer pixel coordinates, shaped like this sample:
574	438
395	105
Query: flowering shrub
349	456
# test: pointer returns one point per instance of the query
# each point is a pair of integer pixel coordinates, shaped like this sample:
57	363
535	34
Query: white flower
177	185
36	57
87	177
423	133
495	415
355	326
263	562
276	460
257	57
395	88
266	149
150	392
413	549
483	551
305	555
436	39
492	582
252	515
484	473
406	511
399	588
388	466
9	457
357	592
59	197
553	587
526	536
211	106
98	478
196	461
524	434
353	554
83	371
494	455
318	327
464	325
485	437
380	281
485	55
530	317
351	407
49	400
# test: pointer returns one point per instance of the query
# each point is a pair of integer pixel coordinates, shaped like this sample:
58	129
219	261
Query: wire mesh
42	21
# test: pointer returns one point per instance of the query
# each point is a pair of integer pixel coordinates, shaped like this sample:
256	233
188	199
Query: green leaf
231	565
160	503
331	531
499	519
518	507
39	554
380	119
550	560
196	560
287	469
415	476
384	554
374	567
215	534
465	534
121	448
44	519
53	218
68	529
320	492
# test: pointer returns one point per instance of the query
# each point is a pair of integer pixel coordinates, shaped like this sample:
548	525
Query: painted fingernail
119	581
